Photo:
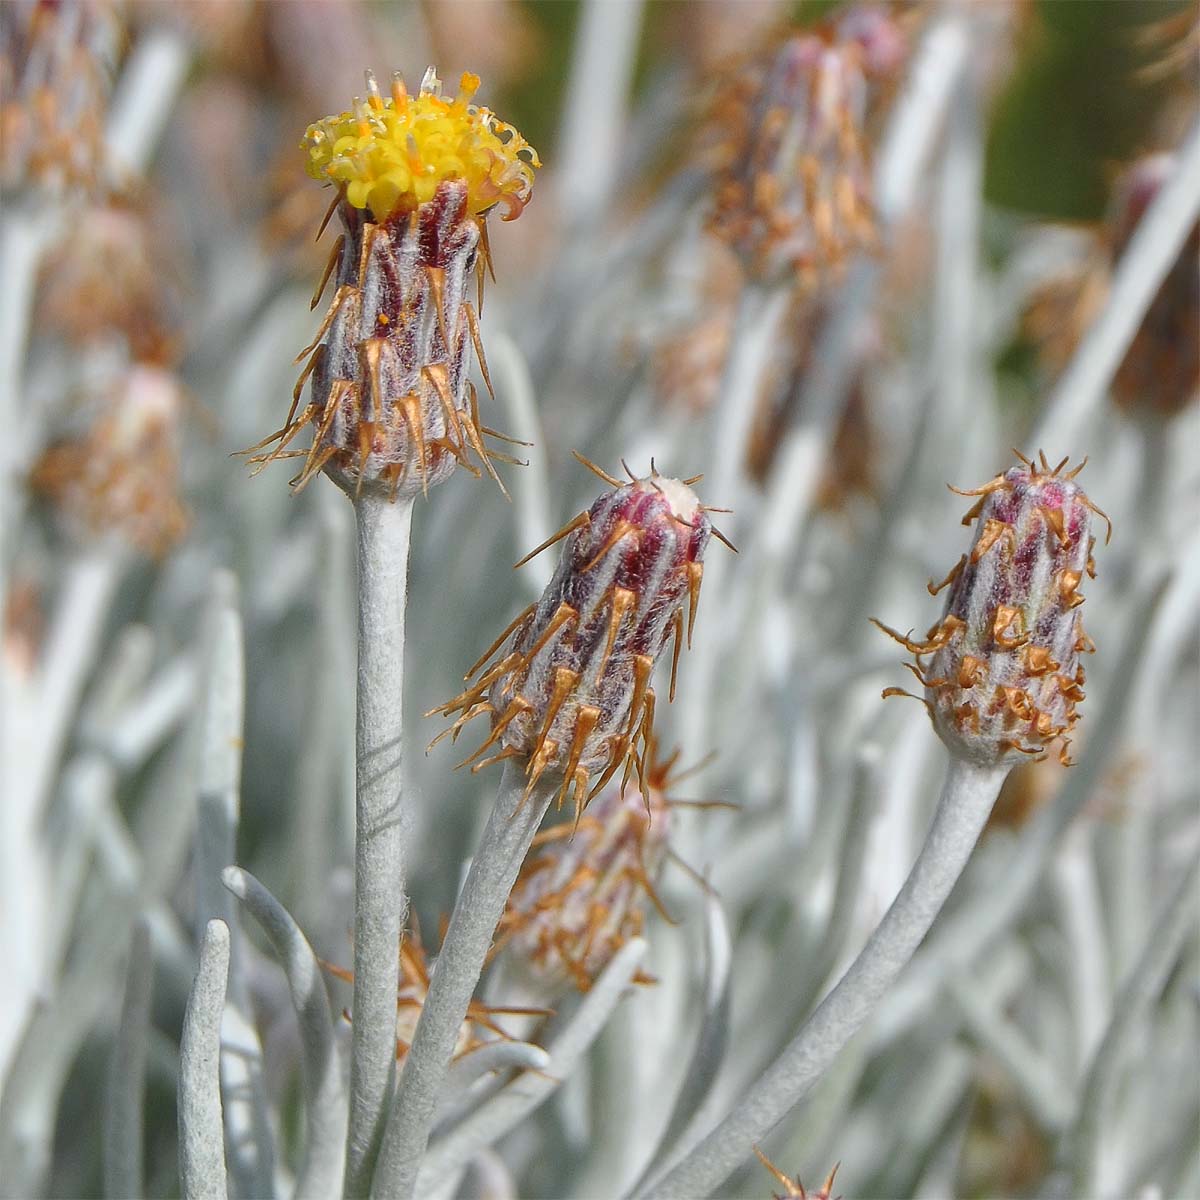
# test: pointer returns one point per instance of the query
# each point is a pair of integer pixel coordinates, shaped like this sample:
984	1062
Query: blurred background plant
833	256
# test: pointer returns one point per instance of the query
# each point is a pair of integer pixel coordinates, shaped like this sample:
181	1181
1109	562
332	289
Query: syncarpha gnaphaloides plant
570	692
793	185
391	404
1004	672
393	412
1002	685
569	698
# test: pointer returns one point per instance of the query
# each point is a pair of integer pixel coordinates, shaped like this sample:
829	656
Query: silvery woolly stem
380	822
967	798
201	1133
514	820
324	1097
1175	923
123	1118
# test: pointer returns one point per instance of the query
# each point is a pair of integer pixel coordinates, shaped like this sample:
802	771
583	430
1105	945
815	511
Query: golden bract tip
390	154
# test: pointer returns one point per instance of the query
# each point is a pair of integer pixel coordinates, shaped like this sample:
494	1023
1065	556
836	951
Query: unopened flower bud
120	476
582	892
391	403
570	691
57	63
1004	674
793	188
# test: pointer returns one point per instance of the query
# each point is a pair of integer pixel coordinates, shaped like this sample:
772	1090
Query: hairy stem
324	1098
967	798
380	823
201	1131
514	820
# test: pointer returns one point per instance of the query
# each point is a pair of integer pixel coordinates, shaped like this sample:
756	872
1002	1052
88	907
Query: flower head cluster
121	475
582	892
793	186
1004	672
391	403
570	692
392	154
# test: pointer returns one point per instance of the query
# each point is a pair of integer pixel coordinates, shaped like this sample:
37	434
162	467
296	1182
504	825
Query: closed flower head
119	478
1001	669
570	689
584	890
793	187
391	404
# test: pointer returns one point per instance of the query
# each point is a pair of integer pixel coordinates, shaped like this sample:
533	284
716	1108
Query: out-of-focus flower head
120	477
391	403
570	693
113	277
583	890
1160	373
1005	674
56	66
792	187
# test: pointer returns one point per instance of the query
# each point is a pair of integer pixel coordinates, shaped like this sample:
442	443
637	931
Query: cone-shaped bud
1160	373
793	186
120	477
115	276
391	404
1004	675
570	689
583	891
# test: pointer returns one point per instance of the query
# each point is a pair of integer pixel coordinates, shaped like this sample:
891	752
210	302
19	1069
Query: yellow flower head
392	154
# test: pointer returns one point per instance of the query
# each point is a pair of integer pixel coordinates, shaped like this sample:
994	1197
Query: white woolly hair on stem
967	797
514	820
380	898
249	1137
201	1134
324	1092
1145	982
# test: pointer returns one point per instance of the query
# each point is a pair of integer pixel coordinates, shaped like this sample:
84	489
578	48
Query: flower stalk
381	821
969	791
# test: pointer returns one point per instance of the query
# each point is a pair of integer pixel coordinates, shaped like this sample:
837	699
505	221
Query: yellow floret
392	154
